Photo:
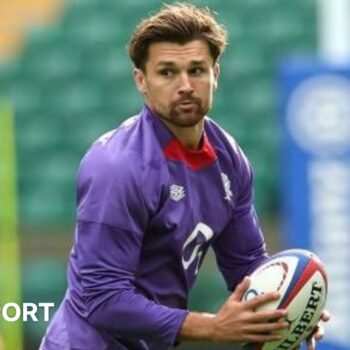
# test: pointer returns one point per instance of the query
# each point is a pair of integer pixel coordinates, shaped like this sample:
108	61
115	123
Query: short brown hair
179	23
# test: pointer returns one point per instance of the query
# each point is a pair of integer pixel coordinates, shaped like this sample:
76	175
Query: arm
113	303
107	265
240	248
236	322
112	219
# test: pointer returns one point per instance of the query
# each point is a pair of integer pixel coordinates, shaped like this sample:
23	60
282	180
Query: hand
318	332
238	321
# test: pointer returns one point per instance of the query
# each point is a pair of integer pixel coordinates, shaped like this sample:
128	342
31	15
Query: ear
216	74
140	80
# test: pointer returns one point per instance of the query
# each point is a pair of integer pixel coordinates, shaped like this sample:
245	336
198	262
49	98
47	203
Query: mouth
187	103
187	107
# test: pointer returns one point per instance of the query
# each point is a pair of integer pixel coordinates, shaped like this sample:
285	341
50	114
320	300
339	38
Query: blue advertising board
315	158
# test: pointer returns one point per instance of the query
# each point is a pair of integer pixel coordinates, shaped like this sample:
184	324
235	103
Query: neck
190	137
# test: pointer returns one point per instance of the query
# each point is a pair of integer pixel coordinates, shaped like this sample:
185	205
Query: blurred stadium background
66	76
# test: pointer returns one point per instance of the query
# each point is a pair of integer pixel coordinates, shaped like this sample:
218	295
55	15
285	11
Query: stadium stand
72	82
76	72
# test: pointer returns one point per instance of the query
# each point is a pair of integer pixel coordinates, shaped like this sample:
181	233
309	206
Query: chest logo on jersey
177	192
227	186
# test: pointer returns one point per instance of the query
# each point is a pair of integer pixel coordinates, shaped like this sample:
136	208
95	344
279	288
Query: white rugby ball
300	278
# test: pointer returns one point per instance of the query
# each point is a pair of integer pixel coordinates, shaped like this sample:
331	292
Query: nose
185	84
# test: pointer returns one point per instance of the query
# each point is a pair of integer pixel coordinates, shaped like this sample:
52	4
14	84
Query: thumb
240	290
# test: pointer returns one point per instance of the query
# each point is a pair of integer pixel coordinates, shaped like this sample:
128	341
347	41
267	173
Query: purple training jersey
148	210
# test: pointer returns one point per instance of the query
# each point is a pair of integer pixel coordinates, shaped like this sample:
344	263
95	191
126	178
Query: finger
319	332
325	317
240	290
266	327
268	315
259	338
262	299
310	343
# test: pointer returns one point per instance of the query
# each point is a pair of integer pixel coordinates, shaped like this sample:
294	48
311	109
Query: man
153	195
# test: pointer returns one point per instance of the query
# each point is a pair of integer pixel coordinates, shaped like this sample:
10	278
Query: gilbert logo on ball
300	278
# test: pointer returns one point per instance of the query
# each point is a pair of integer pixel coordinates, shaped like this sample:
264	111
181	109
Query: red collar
194	159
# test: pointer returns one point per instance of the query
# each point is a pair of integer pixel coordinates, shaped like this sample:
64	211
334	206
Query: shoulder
125	160
108	155
227	146
235	165
127	148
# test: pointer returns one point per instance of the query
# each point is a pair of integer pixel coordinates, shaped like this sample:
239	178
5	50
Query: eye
166	72
196	71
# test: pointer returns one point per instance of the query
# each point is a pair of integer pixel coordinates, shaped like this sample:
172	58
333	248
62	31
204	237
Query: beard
185	116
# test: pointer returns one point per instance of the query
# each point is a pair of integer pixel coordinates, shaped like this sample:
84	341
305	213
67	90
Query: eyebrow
171	64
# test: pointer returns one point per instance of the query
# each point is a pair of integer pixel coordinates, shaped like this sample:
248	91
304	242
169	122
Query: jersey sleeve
112	218
241	247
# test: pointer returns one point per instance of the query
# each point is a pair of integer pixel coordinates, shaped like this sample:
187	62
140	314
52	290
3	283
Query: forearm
130	314
105	263
197	327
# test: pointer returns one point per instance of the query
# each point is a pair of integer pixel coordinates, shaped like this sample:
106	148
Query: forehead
196	50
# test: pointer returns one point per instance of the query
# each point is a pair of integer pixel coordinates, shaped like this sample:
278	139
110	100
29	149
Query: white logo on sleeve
177	192
227	186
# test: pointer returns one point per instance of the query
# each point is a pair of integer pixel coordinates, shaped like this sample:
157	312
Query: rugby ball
300	278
